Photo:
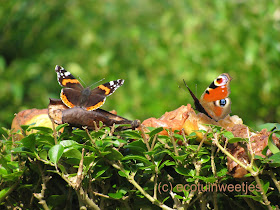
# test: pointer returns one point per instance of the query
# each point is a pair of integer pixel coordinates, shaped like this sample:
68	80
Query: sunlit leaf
40	128
271	145
55	153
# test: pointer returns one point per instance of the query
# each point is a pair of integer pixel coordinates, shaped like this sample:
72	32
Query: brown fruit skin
174	119
36	117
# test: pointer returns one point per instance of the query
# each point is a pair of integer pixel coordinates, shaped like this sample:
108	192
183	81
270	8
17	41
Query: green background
153	45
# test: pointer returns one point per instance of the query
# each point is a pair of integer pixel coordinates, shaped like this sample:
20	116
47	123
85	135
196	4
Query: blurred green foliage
153	45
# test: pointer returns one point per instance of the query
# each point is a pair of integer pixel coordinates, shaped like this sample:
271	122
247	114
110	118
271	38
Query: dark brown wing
98	95
70	97
94	102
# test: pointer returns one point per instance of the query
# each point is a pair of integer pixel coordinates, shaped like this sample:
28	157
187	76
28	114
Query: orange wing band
66	101
107	90
65	81
96	106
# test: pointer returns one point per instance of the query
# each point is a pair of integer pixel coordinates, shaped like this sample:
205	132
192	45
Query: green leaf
13	177
265	185
185	171
228	134
40	128
61	126
264	151
68	143
43	154
166	163
45	140
137	146
114	154
55	153
136	157
209	179
271	145
270	126
237	139
222	172
275	160
117	195
97	134
100	170
256	198
133	134
29	142
155	131
81	133
72	153
25	127
3	192
165	199
122	174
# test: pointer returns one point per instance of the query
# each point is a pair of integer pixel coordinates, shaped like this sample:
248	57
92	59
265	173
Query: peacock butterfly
215	102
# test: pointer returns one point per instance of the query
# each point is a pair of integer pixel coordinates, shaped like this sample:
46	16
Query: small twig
83	196
213	166
173	142
163	143
228	154
54	131
145	137
112	130
265	199
131	179
154	142
177	202
80	171
214	171
197	165
40	196
95	126
248	167
147	195
276	182
101	195
252	153
155	186
200	144
91	139
185	142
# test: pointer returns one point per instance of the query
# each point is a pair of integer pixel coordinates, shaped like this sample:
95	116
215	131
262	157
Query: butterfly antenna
193	96
185	85
197	103
82	81
97	82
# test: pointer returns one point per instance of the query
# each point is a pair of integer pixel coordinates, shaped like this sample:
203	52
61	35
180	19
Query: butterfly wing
197	103
70	95
98	95
215	99
66	79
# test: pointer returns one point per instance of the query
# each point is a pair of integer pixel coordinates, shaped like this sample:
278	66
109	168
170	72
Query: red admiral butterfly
74	94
